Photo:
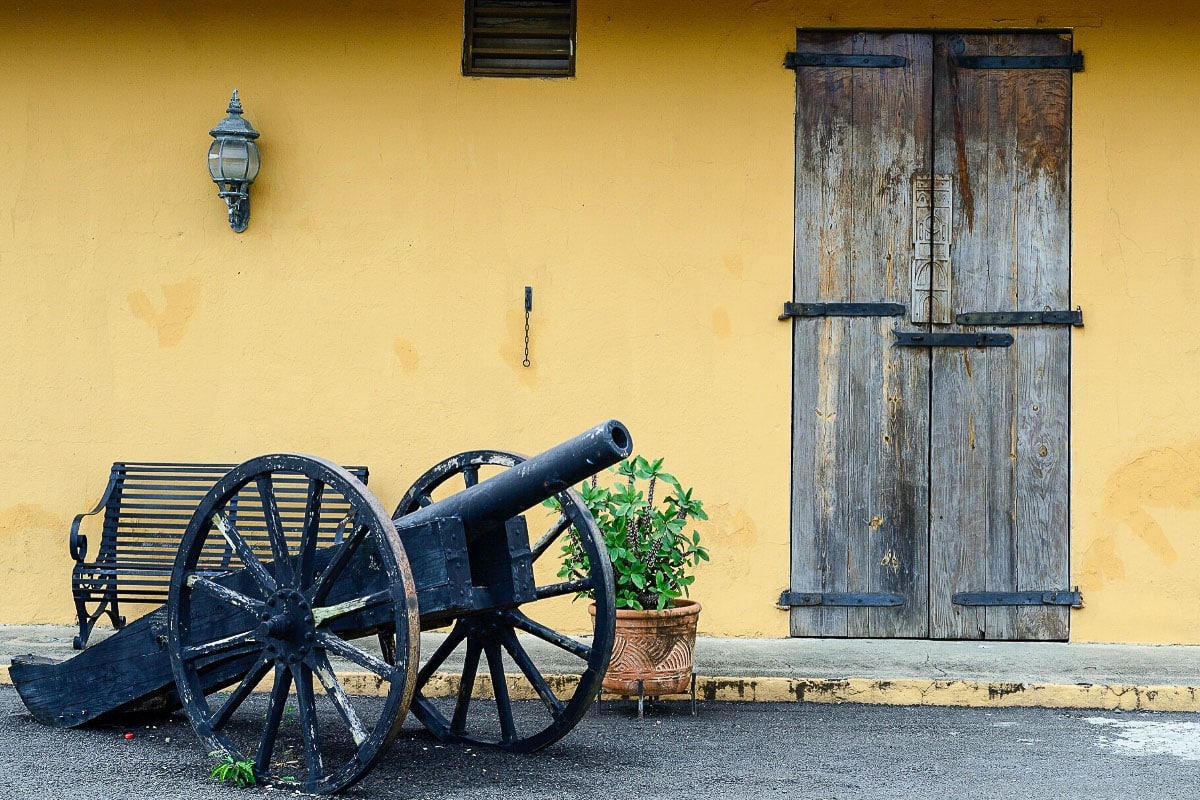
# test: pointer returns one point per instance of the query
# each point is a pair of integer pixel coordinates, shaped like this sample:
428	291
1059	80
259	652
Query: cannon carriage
269	594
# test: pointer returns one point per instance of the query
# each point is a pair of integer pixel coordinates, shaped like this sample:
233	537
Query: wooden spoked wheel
512	640
286	561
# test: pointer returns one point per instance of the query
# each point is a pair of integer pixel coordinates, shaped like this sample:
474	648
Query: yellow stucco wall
372	312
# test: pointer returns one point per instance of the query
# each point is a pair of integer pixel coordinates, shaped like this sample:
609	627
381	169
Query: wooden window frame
509	62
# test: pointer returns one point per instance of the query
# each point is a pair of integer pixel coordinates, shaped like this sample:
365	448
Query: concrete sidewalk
873	671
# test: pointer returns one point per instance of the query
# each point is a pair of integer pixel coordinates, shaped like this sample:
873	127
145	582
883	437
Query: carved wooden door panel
930	444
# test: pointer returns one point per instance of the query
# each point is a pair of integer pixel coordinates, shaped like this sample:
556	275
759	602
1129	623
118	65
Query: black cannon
268	595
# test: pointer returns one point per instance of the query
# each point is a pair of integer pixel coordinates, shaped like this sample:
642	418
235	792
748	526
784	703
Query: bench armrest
78	541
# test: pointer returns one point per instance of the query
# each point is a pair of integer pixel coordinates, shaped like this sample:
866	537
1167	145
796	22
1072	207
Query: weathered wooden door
930	445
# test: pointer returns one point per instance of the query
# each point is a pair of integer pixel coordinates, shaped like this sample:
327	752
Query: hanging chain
528	308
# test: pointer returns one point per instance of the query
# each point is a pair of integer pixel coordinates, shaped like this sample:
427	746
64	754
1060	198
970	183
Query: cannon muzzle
492	501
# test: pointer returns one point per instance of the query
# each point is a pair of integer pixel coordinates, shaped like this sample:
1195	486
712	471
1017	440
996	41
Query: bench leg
107	605
86	622
114	615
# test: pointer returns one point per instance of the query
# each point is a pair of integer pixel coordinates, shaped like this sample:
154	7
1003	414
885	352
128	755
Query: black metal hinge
795	60
1051	598
922	339
850	599
842	310
1074	318
1073	62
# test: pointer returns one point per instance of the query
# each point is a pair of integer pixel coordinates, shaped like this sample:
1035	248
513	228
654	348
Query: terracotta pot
656	647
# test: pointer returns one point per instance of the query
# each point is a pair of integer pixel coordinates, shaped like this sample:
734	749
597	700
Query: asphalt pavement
801	751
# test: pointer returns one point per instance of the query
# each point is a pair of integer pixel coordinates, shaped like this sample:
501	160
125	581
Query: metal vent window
520	38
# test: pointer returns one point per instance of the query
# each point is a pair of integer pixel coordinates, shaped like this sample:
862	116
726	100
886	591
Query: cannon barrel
492	501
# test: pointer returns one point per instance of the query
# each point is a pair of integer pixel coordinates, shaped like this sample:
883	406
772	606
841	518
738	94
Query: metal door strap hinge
1073	62
922	339
1053	598
842	310
794	60
1074	318
875	599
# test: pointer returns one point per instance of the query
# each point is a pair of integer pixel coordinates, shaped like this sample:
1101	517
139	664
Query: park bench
147	507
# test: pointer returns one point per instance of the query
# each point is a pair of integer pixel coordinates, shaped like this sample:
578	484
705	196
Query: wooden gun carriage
259	613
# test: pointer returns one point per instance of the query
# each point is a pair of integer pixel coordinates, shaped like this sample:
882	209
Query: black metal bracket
849	599
842	310
1052	598
1073	62
922	339
796	60
1074	318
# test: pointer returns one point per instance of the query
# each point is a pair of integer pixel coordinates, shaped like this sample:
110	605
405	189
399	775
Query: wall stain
182	300
733	264
27	519
1167	477
407	355
720	323
1101	563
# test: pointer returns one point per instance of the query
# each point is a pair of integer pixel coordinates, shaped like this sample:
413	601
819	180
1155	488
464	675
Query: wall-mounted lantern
233	162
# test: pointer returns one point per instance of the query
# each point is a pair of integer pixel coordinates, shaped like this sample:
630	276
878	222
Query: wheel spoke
351	653
466	685
341	558
235	653
240	546
274	523
324	672
219	646
252	679
312	529
567	587
387	646
548	635
495	661
551	536
278	702
424	500
323	614
532	674
226	595
307	707
453	639
471	475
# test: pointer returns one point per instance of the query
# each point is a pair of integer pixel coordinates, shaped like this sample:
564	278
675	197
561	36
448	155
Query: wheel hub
287	628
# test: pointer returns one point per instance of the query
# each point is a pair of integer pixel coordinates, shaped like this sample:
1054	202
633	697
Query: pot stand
641	698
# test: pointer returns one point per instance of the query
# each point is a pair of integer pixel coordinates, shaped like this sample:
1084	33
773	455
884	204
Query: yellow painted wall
372	312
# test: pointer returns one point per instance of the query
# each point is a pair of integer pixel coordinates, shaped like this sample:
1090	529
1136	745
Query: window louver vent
520	38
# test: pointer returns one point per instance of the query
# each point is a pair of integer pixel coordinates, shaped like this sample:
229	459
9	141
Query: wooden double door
932	326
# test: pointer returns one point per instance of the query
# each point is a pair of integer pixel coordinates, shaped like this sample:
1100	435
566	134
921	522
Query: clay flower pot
655	647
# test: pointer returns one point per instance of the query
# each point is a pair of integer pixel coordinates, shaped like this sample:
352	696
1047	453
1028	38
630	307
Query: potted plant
644	516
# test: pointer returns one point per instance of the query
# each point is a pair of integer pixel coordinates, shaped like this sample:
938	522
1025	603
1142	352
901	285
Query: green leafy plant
227	770
645	531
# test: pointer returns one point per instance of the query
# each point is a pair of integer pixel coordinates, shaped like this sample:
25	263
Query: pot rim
684	607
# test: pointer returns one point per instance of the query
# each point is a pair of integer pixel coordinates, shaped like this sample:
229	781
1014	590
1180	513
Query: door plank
1042	402
999	518
860	406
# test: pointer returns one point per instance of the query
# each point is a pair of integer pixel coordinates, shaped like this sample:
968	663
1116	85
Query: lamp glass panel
252	162
235	159
214	159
